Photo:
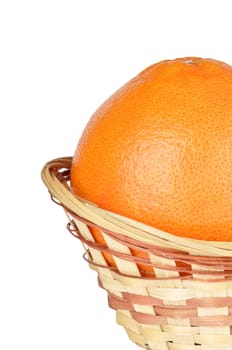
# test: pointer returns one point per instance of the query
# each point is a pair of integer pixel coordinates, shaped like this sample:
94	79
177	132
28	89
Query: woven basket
182	300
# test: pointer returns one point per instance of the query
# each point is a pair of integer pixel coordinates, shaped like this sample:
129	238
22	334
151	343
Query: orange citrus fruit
159	150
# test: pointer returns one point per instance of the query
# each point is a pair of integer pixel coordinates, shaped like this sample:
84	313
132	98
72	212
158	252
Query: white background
59	60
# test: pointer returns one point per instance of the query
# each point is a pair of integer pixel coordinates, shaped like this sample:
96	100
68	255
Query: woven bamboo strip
121	224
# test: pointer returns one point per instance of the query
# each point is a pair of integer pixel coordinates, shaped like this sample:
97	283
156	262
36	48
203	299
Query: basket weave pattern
184	303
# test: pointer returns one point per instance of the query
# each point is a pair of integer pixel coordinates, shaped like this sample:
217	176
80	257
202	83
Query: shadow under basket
169	292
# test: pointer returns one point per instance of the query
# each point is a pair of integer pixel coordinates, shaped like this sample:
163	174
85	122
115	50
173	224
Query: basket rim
55	175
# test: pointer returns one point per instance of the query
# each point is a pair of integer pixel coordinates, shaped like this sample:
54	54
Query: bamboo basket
184	302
